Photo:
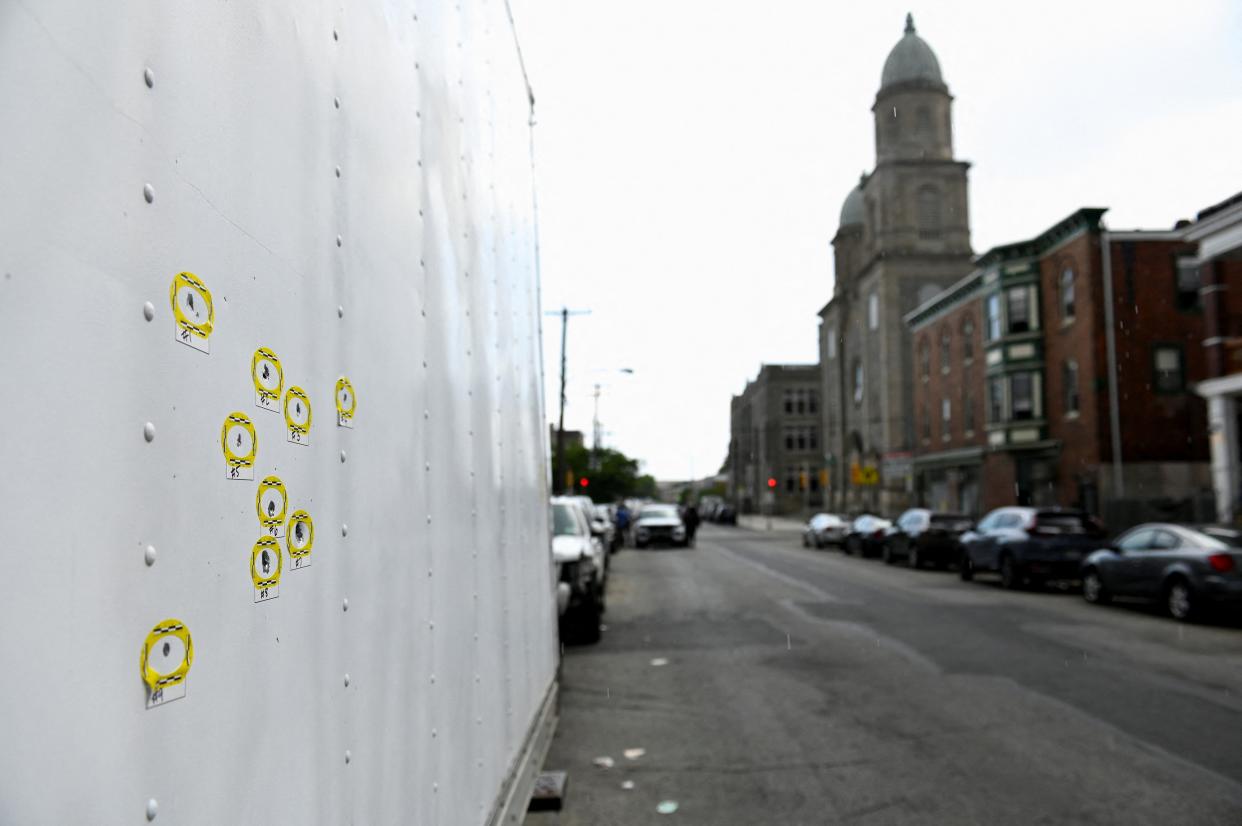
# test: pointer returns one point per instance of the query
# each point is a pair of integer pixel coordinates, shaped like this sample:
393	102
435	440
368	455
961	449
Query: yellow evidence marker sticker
346	403
269	379
271	502
300	539
240	444
298	415
193	312
265	566
165	661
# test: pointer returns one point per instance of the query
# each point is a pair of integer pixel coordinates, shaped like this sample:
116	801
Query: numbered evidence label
269	379
265	566
271	502
193	313
165	663
300	539
346	403
240	444
298	415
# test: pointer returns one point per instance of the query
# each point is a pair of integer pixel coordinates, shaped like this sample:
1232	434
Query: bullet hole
297	532
271	508
267	562
266	372
167	649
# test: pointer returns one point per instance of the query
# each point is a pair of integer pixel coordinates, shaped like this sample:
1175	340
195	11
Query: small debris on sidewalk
658	661
549	792
604	762
628	785
667	807
634	754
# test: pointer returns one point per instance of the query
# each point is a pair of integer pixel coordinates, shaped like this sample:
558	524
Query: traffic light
771	481
583	482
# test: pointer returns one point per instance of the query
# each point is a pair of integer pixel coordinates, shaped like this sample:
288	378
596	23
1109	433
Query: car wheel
912	557
581	623
965	570
1010	578
887	555
1093	590
1180	600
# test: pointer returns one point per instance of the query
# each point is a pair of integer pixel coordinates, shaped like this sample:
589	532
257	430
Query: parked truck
276	544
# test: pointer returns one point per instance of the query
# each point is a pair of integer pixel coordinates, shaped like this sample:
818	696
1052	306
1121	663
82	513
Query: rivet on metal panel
346	679
338	172
148	192
433	731
335	36
426	413
148	77
344	529
336	102
148	431
428	467
348	756
148	310
428	519
340	311
345	604
149	555
153	808
338	240
342	457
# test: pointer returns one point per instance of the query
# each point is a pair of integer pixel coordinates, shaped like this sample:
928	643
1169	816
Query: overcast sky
692	157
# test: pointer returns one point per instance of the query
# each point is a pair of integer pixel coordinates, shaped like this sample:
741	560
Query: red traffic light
583	482
771	482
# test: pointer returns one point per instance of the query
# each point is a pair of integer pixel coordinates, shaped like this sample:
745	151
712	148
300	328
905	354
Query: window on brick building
946	415
812	401
1188	282
801	438
946	349
1069	387
788	398
873	311
968	341
968	411
858	381
812	438
800	401
996	400
994	317
791	479
924	359
1018	309
1170	374
1066	290
1022	396
789	438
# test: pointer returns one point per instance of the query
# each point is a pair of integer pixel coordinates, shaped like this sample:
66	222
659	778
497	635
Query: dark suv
1030	545
924	537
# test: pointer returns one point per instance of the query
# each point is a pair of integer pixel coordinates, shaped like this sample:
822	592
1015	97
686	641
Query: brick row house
1040	381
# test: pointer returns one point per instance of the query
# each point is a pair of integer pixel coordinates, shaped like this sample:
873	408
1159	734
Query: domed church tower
903	237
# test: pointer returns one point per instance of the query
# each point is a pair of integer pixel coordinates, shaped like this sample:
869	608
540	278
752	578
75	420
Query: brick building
1038	380
1217	234
775	434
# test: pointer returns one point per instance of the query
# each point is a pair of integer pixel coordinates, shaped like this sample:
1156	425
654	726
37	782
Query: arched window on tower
929	212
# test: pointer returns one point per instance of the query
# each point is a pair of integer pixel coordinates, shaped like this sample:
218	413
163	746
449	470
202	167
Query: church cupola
912	108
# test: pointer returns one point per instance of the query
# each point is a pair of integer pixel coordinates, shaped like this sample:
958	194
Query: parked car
824	529
604	525
601	528
1030	545
866	535
725	515
659	525
579	562
924	537
1187	567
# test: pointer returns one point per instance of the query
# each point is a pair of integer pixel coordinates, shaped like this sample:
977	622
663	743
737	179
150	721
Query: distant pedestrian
623	523
691	518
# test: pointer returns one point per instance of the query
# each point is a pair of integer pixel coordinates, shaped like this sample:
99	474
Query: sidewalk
755	522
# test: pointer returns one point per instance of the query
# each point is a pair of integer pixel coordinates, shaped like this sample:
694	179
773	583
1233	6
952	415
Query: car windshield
1065	523
658	512
563	521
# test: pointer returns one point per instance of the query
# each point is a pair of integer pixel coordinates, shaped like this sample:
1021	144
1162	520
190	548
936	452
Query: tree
611	475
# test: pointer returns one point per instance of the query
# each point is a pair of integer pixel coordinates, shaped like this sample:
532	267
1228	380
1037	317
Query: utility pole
558	481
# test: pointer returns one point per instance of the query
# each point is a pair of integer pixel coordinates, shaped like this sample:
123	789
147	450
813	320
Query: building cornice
1086	219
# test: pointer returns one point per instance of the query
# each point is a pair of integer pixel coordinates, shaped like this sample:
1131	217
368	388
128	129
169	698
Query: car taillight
1221	563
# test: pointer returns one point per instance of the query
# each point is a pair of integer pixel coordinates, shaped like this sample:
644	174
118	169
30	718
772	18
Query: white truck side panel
352	183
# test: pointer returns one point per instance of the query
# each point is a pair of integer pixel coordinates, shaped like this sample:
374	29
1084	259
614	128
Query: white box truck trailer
274	501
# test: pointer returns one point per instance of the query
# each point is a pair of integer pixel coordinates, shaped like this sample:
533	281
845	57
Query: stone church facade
904	236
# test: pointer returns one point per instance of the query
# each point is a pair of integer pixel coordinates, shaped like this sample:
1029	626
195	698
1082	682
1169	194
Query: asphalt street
766	683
